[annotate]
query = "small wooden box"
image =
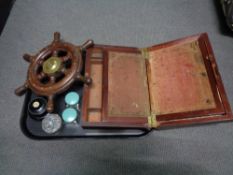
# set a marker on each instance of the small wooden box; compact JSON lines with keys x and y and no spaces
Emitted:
{"x":170,"y":84}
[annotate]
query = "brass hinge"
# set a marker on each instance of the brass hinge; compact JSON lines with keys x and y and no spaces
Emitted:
{"x":145,"y":53}
{"x":152,"y":122}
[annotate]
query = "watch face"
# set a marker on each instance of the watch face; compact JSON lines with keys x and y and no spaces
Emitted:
{"x":51,"y":123}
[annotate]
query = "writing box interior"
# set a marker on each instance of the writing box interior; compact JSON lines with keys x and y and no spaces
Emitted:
{"x":174,"y":83}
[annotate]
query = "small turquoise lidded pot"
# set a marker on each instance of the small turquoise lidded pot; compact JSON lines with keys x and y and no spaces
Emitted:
{"x":72,"y":98}
{"x":69,"y":115}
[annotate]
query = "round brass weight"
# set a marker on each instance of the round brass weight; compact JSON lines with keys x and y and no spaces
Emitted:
{"x":52,"y":65}
{"x":54,"y":69}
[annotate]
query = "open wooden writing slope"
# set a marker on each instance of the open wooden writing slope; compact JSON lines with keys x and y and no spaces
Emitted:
{"x":170,"y":84}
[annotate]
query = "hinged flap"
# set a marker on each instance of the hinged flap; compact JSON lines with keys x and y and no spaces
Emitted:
{"x":184,"y":83}
{"x":145,"y":53}
{"x":152,"y":122}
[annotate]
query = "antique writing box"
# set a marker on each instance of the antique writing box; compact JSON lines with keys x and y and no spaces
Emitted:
{"x":170,"y":84}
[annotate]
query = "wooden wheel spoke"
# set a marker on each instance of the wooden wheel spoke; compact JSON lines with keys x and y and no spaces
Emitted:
{"x":50,"y":104}
{"x":55,"y":53}
{"x":52,"y":79}
{"x":66,"y":58}
{"x":22,"y":89}
{"x":40,"y":62}
{"x":63,"y":70}
{"x":41,"y":75}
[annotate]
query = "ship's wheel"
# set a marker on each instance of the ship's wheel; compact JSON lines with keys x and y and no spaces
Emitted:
{"x":54,"y":69}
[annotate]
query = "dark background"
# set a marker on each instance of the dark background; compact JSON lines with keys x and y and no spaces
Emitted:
{"x":5,"y":7}
{"x":205,"y":149}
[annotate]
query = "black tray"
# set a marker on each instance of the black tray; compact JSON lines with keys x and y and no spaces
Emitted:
{"x":32,"y":128}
